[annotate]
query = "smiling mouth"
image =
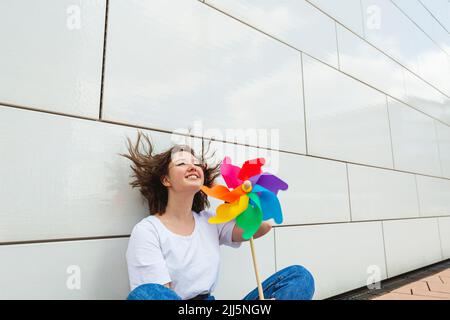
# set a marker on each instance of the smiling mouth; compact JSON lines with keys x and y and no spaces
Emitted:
{"x":192,"y":177}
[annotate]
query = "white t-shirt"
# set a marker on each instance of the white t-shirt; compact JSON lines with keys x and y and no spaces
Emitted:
{"x":191,"y":263}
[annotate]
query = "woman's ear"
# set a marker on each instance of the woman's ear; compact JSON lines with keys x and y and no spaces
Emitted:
{"x":165,"y":181}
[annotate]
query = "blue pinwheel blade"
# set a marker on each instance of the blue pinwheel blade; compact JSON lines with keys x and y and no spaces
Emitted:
{"x":270,"y":205}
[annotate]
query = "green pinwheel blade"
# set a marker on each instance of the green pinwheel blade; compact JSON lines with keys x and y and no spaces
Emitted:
{"x":254,"y":197}
{"x":249,"y":220}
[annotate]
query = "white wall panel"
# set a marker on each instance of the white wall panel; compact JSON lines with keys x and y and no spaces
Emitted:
{"x":443,"y":136}
{"x":444,"y":231}
{"x":391,"y":31}
{"x":434,"y":196}
{"x":422,"y":17}
{"x":317,"y":190}
{"x":411,"y":244}
{"x":51,"y":54}
{"x":414,"y":140}
{"x":347,"y":12}
{"x":425,"y":98}
{"x":94,"y":269}
{"x":63,"y":177}
{"x":290,"y":21}
{"x":341,"y":257}
{"x":440,"y":10}
{"x":364,"y":62}
{"x":377,"y":194}
{"x":361,"y":60}
{"x":202,"y":69}
{"x":345,"y":119}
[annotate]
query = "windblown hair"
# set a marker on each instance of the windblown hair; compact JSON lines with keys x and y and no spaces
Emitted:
{"x":150,"y":168}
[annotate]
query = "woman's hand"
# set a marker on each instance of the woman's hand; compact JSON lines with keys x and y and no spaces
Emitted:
{"x":263,"y":229}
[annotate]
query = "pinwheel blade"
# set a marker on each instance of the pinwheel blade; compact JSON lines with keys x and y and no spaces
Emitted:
{"x":228,"y":211}
{"x":230,"y":173}
{"x":222,"y":193}
{"x":249,"y":220}
{"x":217,"y":191}
{"x":270,"y":205}
{"x":270,"y":182}
{"x":254,"y":199}
{"x":235,"y":194}
{"x":251,"y":168}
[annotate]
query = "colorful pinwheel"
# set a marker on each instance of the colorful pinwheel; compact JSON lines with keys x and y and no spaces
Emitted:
{"x":253,"y":197}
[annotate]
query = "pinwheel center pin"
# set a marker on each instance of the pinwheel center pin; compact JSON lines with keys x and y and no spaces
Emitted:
{"x":247,"y":186}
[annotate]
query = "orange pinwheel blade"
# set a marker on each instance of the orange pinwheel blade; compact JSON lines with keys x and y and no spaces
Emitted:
{"x":223,"y":193}
{"x":228,"y":211}
{"x":217,"y":191}
{"x":220,"y":192}
{"x":236,"y":194}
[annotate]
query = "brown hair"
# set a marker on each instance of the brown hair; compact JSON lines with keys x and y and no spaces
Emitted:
{"x":149,"y":169}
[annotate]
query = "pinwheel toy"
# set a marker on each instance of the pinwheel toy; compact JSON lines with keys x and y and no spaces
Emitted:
{"x":250,"y":197}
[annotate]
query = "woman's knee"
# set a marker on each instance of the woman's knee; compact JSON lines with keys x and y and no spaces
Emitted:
{"x":303,"y":275}
{"x":153,"y":291}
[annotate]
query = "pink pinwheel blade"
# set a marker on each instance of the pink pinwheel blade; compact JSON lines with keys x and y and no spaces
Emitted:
{"x":270,"y":182}
{"x":230,"y":173}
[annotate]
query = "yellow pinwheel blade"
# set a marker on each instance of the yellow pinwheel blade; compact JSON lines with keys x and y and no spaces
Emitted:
{"x":228,"y":211}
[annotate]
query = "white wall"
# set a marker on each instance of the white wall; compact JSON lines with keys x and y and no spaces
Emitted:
{"x":359,"y":91}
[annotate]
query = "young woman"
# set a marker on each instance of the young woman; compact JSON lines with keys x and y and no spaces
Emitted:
{"x":174,"y":252}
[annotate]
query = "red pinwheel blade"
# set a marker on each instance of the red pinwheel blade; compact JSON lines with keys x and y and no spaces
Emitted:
{"x":251,"y":168}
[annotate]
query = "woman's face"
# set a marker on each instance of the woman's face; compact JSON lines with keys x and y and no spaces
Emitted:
{"x":185,"y":173}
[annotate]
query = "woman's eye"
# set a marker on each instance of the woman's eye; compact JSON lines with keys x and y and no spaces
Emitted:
{"x":183,"y":164}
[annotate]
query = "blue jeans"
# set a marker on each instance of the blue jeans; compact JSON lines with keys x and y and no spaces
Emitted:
{"x":291,"y":283}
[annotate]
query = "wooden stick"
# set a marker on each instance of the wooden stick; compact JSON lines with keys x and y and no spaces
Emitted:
{"x":255,"y":266}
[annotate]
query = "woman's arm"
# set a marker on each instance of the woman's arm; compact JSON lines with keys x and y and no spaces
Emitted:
{"x":263,"y":229}
{"x":168,"y":285}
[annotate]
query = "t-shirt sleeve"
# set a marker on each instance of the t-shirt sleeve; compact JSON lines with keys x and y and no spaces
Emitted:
{"x":225,"y":231}
{"x":145,"y":260}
